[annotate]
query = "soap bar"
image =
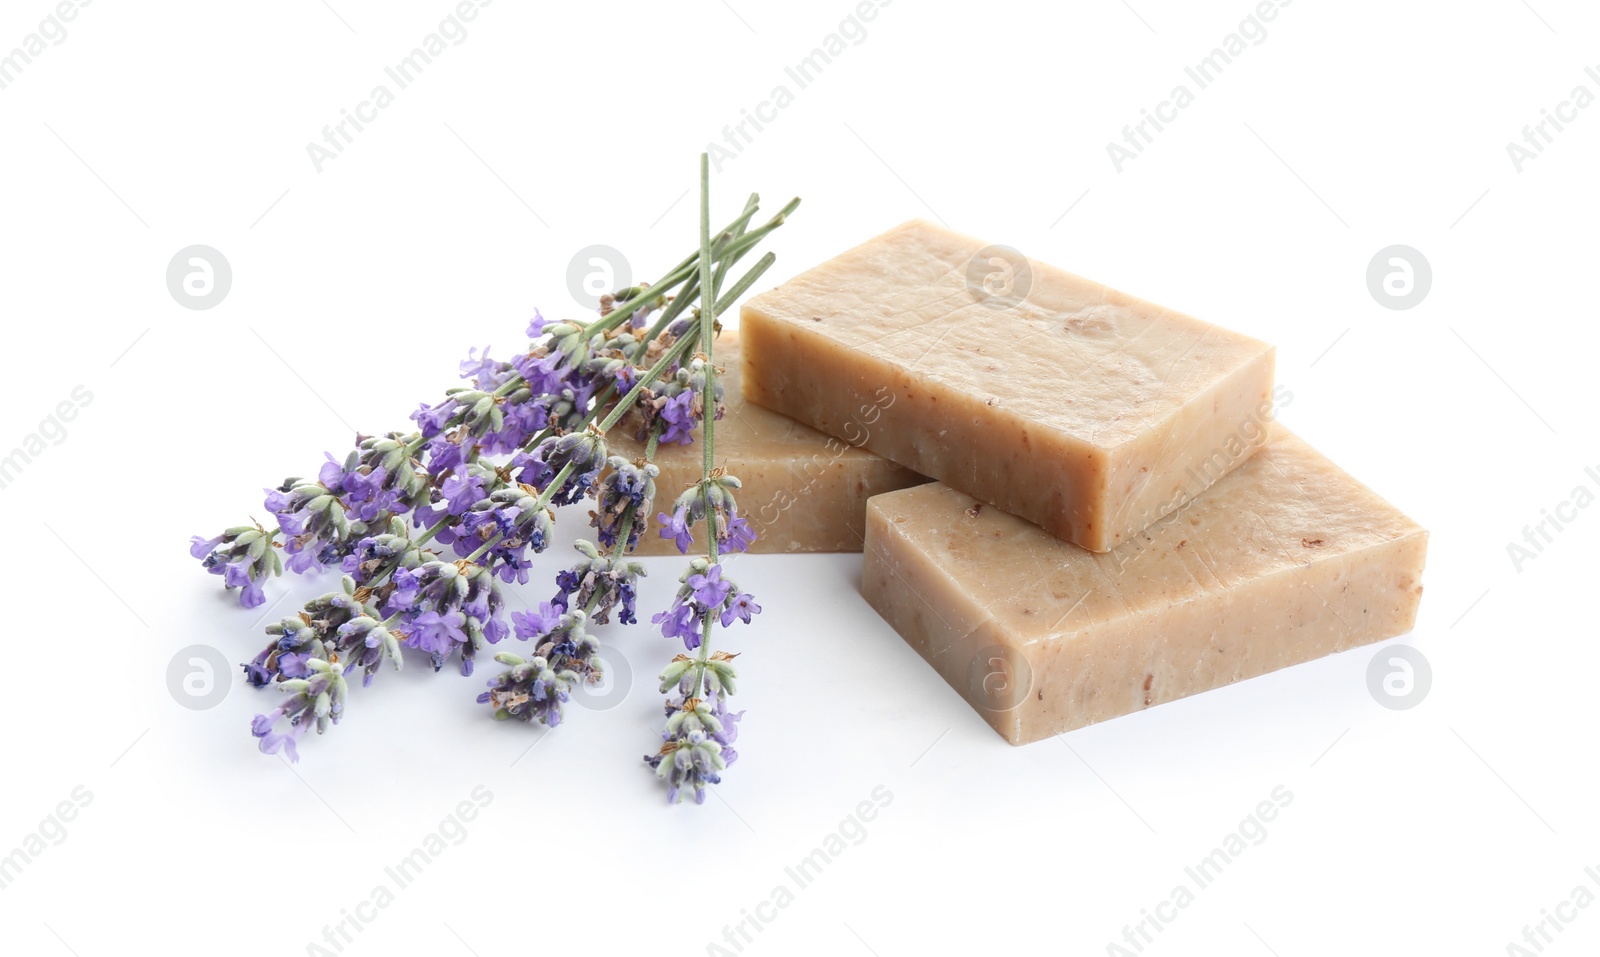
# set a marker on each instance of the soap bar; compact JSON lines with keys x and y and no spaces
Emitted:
{"x":1284,"y":560}
{"x":803,"y":491}
{"x":1084,"y":410}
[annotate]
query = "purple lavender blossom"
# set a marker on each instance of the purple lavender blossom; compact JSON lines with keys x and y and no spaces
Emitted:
{"x":737,"y":534}
{"x":545,"y":373}
{"x":709,"y":588}
{"x":680,"y":621}
{"x":446,"y":608}
{"x":678,"y":528}
{"x":703,"y":595}
{"x":538,"y":623}
{"x":678,"y":416}
{"x":742,"y":607}
{"x":486,"y":373}
{"x":461,"y":492}
{"x":434,"y":419}
{"x":245,"y":556}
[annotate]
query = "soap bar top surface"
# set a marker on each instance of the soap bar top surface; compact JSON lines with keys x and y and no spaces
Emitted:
{"x":1287,"y":508}
{"x":1084,"y":410}
{"x":1284,"y":560}
{"x":803,"y":491}
{"x":1071,"y":355}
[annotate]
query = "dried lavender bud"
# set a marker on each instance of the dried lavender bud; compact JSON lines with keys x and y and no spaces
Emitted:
{"x":712,"y":676}
{"x":584,"y":451}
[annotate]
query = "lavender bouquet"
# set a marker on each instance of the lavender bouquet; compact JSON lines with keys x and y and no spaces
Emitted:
{"x":425,"y":525}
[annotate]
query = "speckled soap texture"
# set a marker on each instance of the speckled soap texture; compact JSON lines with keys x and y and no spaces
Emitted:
{"x":1284,"y":560}
{"x":1082,"y":409}
{"x":803,"y":491}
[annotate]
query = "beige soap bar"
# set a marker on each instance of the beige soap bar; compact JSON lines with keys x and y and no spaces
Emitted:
{"x":1284,"y":560}
{"x":1077,"y":407}
{"x":803,"y":491}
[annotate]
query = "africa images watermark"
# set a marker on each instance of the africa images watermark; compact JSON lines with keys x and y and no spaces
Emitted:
{"x":1552,"y":522}
{"x":1554,"y":920}
{"x":852,"y":831}
{"x":52,"y":31}
{"x":852,"y":31}
{"x":1537,"y":136}
{"x":817,"y":466}
{"x":450,"y":832}
{"x":452,"y":31}
{"x":1251,"y":832}
{"x":1239,"y":445}
{"x":51,"y":832}
{"x":52,"y":430}
{"x":1252,"y":31}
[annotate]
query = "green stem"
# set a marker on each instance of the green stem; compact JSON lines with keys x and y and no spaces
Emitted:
{"x":682,"y":271}
{"x":708,"y":326}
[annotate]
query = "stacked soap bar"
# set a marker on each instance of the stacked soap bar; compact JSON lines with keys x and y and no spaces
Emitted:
{"x":803,"y":491}
{"x":1084,"y":410}
{"x":1285,"y":559}
{"x":1117,"y":523}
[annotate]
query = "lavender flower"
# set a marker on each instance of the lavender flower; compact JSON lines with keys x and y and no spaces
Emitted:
{"x":623,"y":498}
{"x":599,"y":583}
{"x":705,"y":594}
{"x":316,"y":525}
{"x":317,"y":700}
{"x":678,"y":405}
{"x":245,"y":558}
{"x":677,"y":527}
{"x":564,"y":642}
{"x":696,"y":746}
{"x":734,"y":534}
{"x":503,"y":527}
{"x":443,"y":608}
{"x":337,"y":626}
{"x":375,"y":558}
{"x":391,"y":477}
{"x":322,"y":519}
{"x":529,"y":690}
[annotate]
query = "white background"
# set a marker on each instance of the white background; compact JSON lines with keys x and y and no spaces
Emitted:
{"x":1353,"y":126}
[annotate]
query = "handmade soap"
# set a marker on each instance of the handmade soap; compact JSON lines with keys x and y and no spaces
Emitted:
{"x":1084,"y":410}
{"x":803,"y":491}
{"x":1284,"y":560}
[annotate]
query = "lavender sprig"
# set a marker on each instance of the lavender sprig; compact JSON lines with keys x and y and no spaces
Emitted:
{"x":697,"y":742}
{"x":547,"y":410}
